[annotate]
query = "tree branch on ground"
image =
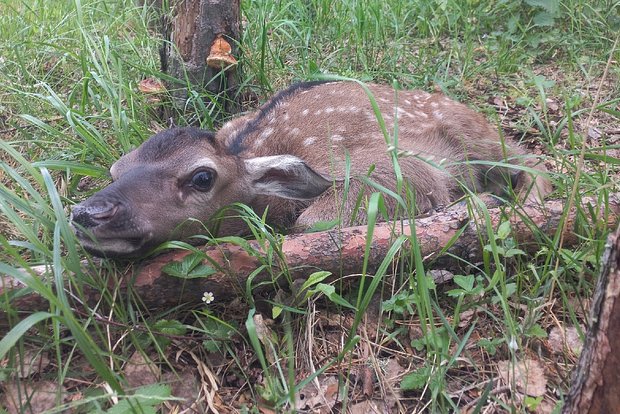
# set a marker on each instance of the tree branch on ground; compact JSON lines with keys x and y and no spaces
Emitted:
{"x":339,"y":251}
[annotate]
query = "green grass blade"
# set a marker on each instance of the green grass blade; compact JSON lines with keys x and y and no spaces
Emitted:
{"x":19,"y":330}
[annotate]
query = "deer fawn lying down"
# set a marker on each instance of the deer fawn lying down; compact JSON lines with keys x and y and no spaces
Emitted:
{"x":289,"y":158}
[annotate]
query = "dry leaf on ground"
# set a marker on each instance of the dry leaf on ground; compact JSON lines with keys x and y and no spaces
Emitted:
{"x":184,"y":384}
{"x":34,"y":397}
{"x":31,"y":362}
{"x":139,"y":372}
{"x":563,"y":338}
{"x":321,"y":400}
{"x":368,"y":407}
{"x":527,"y":375}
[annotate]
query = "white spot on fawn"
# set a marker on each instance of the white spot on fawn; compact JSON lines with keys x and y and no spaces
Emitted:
{"x":295,"y":131}
{"x":438,"y":114}
{"x":319,"y":112}
{"x":259,"y":142}
{"x":262,"y":137}
{"x":421,"y":114}
{"x":407,"y":101}
{"x":383,"y":100}
{"x":434,"y":104}
{"x":337,"y":137}
{"x":305,"y":112}
{"x":329,"y":110}
{"x":309,"y":141}
{"x":266,"y":133}
{"x":400,"y":111}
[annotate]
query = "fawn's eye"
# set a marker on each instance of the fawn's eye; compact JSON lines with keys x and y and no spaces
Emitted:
{"x":203,"y":180}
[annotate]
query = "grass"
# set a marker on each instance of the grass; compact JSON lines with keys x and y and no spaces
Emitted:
{"x":69,"y":107}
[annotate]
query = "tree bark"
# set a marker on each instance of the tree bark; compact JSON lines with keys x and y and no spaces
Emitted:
{"x":596,"y":383}
{"x":340,"y":252}
{"x":190,"y":29}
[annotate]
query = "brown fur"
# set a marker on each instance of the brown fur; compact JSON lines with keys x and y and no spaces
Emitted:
{"x":307,"y":132}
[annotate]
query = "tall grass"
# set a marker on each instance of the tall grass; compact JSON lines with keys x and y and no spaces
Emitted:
{"x":69,"y":107}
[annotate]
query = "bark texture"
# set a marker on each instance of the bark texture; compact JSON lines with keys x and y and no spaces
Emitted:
{"x":340,"y":252}
{"x":190,"y":28}
{"x":596,"y":383}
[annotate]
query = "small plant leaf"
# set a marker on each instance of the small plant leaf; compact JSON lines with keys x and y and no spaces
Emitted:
{"x":315,"y":278}
{"x":455,"y":293}
{"x":511,"y":288}
{"x":165,"y":328}
{"x":537,"y":331}
{"x":330,"y":292}
{"x":491,"y":249}
{"x":532,"y":403}
{"x":218,"y":333}
{"x":416,"y":380}
{"x":542,"y":83}
{"x":400,"y":303}
{"x":490,"y":345}
{"x":544,"y":19}
{"x":550,"y":6}
{"x":513,"y":252}
{"x":465,"y":282}
{"x":276,"y":311}
{"x":201,"y":270}
{"x":170,"y":327}
{"x":323,"y":226}
{"x":504,"y":230}
{"x":189,"y":268}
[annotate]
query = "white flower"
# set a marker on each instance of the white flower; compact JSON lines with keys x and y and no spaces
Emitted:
{"x":512,"y":344}
{"x":208,"y":297}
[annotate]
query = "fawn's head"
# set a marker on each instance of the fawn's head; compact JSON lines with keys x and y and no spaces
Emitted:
{"x":174,"y":184}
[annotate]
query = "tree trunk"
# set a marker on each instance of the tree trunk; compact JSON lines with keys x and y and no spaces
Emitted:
{"x":191,"y":28}
{"x":340,"y":252}
{"x":596,"y":385}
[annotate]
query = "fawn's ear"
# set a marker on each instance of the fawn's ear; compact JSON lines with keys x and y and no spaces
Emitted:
{"x":285,"y":176}
{"x":122,"y":163}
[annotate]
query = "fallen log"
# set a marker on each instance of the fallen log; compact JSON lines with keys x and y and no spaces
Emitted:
{"x":340,"y":252}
